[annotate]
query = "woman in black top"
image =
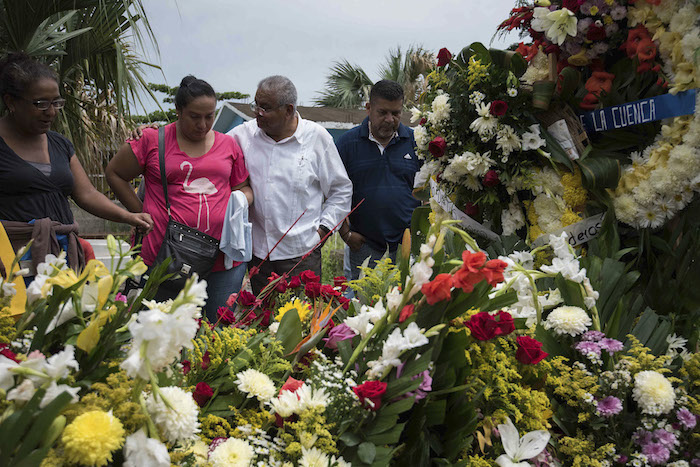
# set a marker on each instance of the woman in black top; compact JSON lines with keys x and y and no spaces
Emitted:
{"x":38,"y":167}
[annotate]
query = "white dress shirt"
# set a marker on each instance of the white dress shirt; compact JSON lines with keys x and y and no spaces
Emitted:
{"x":302,"y":172}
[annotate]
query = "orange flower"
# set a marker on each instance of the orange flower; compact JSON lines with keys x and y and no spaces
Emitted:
{"x":589,"y":102}
{"x":438,"y":289}
{"x":599,"y":81}
{"x":646,"y":50}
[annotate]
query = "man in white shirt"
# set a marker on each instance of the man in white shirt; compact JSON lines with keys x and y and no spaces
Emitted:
{"x":294,"y":168}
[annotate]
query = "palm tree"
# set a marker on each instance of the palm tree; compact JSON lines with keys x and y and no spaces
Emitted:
{"x":348,"y":85}
{"x":90,"y":44}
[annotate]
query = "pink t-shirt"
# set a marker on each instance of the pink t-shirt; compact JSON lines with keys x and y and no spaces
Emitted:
{"x":198,"y":187}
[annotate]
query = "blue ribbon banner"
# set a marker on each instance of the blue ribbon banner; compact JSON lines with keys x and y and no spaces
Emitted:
{"x":642,"y":111}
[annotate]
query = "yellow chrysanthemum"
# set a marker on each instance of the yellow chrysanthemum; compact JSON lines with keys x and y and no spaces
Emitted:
{"x":92,"y":437}
{"x":302,"y":309}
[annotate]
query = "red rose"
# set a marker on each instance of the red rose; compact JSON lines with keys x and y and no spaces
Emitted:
{"x":482,"y":326}
{"x":345,"y":302}
{"x":498,"y":108}
{"x":340,"y":281}
{"x":493,"y":271}
{"x":438,"y":289}
{"x":281,"y":285}
{"x":309,"y":276}
{"x":505,"y":324}
{"x":226,"y":316}
{"x":491,"y":178}
{"x":572,"y":5}
{"x":437,"y":146}
{"x":328,"y":291}
{"x":595,"y":33}
{"x":406,"y":312}
{"x":471,"y":209}
{"x":423,"y":121}
{"x":206,"y":361}
{"x":370,"y":391}
{"x":313,"y":290}
{"x":444,"y":56}
{"x":246,"y":298}
{"x":291,"y":385}
{"x":186,"y":367}
{"x":265,"y":321}
{"x":294,"y":282}
{"x":529,"y":350}
{"x":202,"y":393}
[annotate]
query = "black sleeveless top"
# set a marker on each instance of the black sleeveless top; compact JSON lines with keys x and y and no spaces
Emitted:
{"x":26,"y":193}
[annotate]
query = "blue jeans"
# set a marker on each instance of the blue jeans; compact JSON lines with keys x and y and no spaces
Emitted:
{"x":356,"y":258}
{"x":220,"y":285}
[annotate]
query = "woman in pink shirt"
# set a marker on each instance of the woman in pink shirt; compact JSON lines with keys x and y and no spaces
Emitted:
{"x":202,"y":168}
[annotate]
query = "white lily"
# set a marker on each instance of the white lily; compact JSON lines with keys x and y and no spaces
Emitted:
{"x":520,"y":449}
{"x":556,"y":25}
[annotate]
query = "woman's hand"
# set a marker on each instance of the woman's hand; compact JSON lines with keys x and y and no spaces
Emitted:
{"x":142,"y":221}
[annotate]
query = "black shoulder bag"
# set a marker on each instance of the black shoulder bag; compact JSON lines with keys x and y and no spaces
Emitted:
{"x":189,"y":250}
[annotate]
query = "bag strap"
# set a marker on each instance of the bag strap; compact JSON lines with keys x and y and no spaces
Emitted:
{"x":161,"y":161}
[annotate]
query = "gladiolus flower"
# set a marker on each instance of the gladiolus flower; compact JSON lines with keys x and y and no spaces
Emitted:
{"x":438,"y":289}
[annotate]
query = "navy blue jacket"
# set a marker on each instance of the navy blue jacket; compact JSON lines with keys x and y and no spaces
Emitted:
{"x":384,"y":181}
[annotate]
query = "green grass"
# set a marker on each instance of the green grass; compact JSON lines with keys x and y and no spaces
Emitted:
{"x":332,"y":259}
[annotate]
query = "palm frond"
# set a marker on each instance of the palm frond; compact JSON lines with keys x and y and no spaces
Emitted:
{"x":347,"y":86}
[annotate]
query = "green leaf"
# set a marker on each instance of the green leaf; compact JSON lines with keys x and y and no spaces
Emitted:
{"x":501,"y":301}
{"x":420,"y":223}
{"x":400,"y":387}
{"x":397,"y":407}
{"x":382,"y":423}
{"x":435,"y":412}
{"x":289,"y":331}
{"x":345,"y":350}
{"x":366,"y":452}
{"x":600,"y":172}
{"x":570,"y":291}
{"x":570,"y":79}
{"x":350,"y":439}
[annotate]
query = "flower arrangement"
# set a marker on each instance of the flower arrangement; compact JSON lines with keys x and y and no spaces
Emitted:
{"x":485,"y":148}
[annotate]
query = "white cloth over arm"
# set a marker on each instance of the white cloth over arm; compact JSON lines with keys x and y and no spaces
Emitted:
{"x":236,"y":241}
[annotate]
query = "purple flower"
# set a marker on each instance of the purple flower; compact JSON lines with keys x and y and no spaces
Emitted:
{"x":593,"y":335}
{"x":588,"y":347}
{"x":611,"y":345}
{"x":582,"y":27}
{"x":120,"y":297}
{"x":609,"y":406}
{"x":657,"y":453}
{"x":425,"y":386}
{"x":340,"y":332}
{"x":611,"y":29}
{"x":687,"y":418}
{"x":618,"y":13}
{"x":666,"y":438}
{"x":642,"y":437}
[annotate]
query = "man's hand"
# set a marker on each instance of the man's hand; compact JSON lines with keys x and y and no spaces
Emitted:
{"x":138,"y":131}
{"x":354,"y":240}
{"x":322,"y":232}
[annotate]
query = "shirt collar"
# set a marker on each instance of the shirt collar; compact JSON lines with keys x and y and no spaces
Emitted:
{"x":402,"y":132}
{"x":299,"y":134}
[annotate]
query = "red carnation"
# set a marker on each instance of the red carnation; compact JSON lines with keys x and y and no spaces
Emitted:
{"x":444,"y":56}
{"x":491,"y":178}
{"x":423,"y":121}
{"x":309,"y":276}
{"x":406,"y":312}
{"x":281,"y":285}
{"x":372,"y":391}
{"x":327,"y":291}
{"x":294,"y":282}
{"x":202,"y":393}
{"x":498,"y":108}
{"x":529,"y":350}
{"x":438,"y":289}
{"x":246,"y":298}
{"x":437,"y":146}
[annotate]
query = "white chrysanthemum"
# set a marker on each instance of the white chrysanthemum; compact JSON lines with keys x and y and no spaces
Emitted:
{"x":426,"y":171}
{"x":311,"y":398}
{"x":140,"y":450}
{"x":537,"y":70}
{"x":485,"y":125}
{"x":570,"y":320}
{"x":512,"y":92}
{"x":313,"y":458}
{"x":476,"y":97}
{"x":440,"y":109}
{"x":420,"y":134}
{"x":255,"y":384}
{"x":653,"y":392}
{"x":512,"y":219}
{"x":233,"y":452}
{"x":178,"y":423}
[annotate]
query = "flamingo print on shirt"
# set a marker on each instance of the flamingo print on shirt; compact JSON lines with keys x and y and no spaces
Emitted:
{"x":199,"y":186}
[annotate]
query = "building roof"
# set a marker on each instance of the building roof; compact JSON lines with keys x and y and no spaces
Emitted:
{"x":328,"y":117}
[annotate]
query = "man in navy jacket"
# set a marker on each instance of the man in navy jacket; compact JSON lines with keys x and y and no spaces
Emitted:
{"x":379,"y":156}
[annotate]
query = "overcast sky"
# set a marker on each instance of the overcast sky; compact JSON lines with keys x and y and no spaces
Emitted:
{"x":233,"y":44}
